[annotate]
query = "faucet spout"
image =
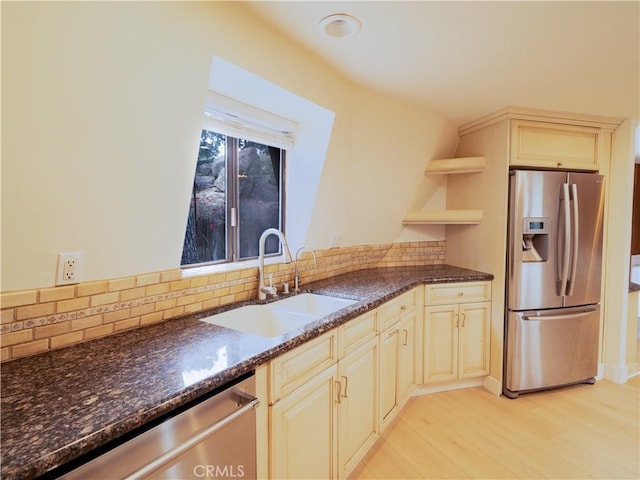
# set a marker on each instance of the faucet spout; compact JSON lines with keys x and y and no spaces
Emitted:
{"x":263,"y":290}
{"x":296,"y":277}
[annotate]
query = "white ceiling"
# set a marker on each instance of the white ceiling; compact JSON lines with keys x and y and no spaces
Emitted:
{"x":463,"y":60}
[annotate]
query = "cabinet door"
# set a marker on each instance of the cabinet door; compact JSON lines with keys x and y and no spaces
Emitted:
{"x":388,"y":371}
{"x":474,"y":339}
{"x":551,"y":145}
{"x":357,"y":410}
{"x":406,"y":371}
{"x":441,"y":343}
{"x":303,"y":430}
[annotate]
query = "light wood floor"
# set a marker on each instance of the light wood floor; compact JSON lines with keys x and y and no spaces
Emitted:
{"x":585,"y":431}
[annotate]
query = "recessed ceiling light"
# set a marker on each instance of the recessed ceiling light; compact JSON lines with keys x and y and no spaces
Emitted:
{"x":339,"y":25}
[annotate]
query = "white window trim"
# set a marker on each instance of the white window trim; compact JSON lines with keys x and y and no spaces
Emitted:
{"x":238,"y":119}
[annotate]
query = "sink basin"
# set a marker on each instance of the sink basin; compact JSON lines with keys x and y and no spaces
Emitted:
{"x":281,"y":317}
{"x":260,"y":320}
{"x":312,"y":304}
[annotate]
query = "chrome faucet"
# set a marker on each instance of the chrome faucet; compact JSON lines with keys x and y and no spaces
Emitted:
{"x":264,"y":290}
{"x":296,"y":279}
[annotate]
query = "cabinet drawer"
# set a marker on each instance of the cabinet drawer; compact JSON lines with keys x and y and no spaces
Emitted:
{"x":549,"y":145}
{"x":296,"y":367}
{"x":448,"y":293}
{"x":355,"y":332}
{"x":391,"y":311}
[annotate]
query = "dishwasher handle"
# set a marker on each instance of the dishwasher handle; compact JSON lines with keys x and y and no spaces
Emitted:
{"x":248,"y":402}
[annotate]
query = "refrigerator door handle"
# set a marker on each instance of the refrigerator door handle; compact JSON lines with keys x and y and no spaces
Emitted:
{"x":575,"y":238}
{"x":560,"y":317}
{"x":564,"y":276}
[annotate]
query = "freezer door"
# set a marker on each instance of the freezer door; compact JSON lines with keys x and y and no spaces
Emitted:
{"x":587,"y":207}
{"x":551,"y":348}
{"x":534,"y":284}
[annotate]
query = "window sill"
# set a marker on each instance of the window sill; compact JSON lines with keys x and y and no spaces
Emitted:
{"x":190,"y":272}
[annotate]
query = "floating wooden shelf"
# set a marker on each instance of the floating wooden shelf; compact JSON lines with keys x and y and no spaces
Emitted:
{"x":423,"y":217}
{"x":448,"y":166}
{"x":456,"y":165}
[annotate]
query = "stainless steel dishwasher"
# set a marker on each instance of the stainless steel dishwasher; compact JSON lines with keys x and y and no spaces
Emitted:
{"x":215,"y":438}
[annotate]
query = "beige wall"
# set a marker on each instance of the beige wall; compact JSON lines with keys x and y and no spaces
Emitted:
{"x":101,"y":116}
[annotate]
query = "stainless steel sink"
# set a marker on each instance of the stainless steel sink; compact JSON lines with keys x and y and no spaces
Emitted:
{"x":281,"y":317}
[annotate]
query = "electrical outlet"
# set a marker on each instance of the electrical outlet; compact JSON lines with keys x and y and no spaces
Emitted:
{"x":336,"y":239}
{"x":69,"y":268}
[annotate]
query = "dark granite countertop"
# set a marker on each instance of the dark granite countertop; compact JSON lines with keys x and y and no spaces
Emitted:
{"x":634,"y":287}
{"x":59,"y":405}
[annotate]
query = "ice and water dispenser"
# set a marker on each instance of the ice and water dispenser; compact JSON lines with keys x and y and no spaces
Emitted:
{"x":535,"y":239}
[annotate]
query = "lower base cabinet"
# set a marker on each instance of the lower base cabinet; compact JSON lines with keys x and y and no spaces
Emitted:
{"x":330,"y":398}
{"x":397,"y":366}
{"x":304,"y":430}
{"x":457,"y":324}
{"x":357,"y":405}
{"x":323,"y":428}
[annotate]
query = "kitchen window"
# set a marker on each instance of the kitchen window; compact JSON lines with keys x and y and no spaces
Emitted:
{"x":237,"y":194}
{"x":238,"y":187}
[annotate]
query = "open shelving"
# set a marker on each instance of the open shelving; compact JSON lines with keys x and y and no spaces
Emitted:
{"x":448,"y":166}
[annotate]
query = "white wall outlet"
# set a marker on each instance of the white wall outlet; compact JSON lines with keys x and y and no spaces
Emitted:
{"x":336,"y":239}
{"x":69,"y":268}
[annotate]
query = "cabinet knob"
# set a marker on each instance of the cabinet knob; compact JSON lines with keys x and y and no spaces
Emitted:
{"x":460,"y":294}
{"x":403,"y":307}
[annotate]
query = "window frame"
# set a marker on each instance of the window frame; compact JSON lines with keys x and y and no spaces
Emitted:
{"x":232,"y":200}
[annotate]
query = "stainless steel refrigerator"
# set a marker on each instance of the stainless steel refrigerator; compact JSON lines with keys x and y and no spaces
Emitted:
{"x":554,"y":267}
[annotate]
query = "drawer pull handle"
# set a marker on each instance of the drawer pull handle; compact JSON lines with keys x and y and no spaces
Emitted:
{"x":403,"y":307}
{"x":460,"y":294}
{"x":392,"y":332}
{"x":463,"y":319}
{"x":406,"y":337}
{"x":338,"y":390}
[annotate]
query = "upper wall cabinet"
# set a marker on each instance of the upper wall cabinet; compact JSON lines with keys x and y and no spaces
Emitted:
{"x":552,"y":145}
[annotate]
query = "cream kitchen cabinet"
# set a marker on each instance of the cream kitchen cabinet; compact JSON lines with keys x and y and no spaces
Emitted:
{"x":303,"y":400}
{"x":398,"y":352}
{"x":357,"y":405}
{"x":303,"y":430}
{"x":553,"y":145}
{"x":456,"y":331}
{"x":323,"y":419}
